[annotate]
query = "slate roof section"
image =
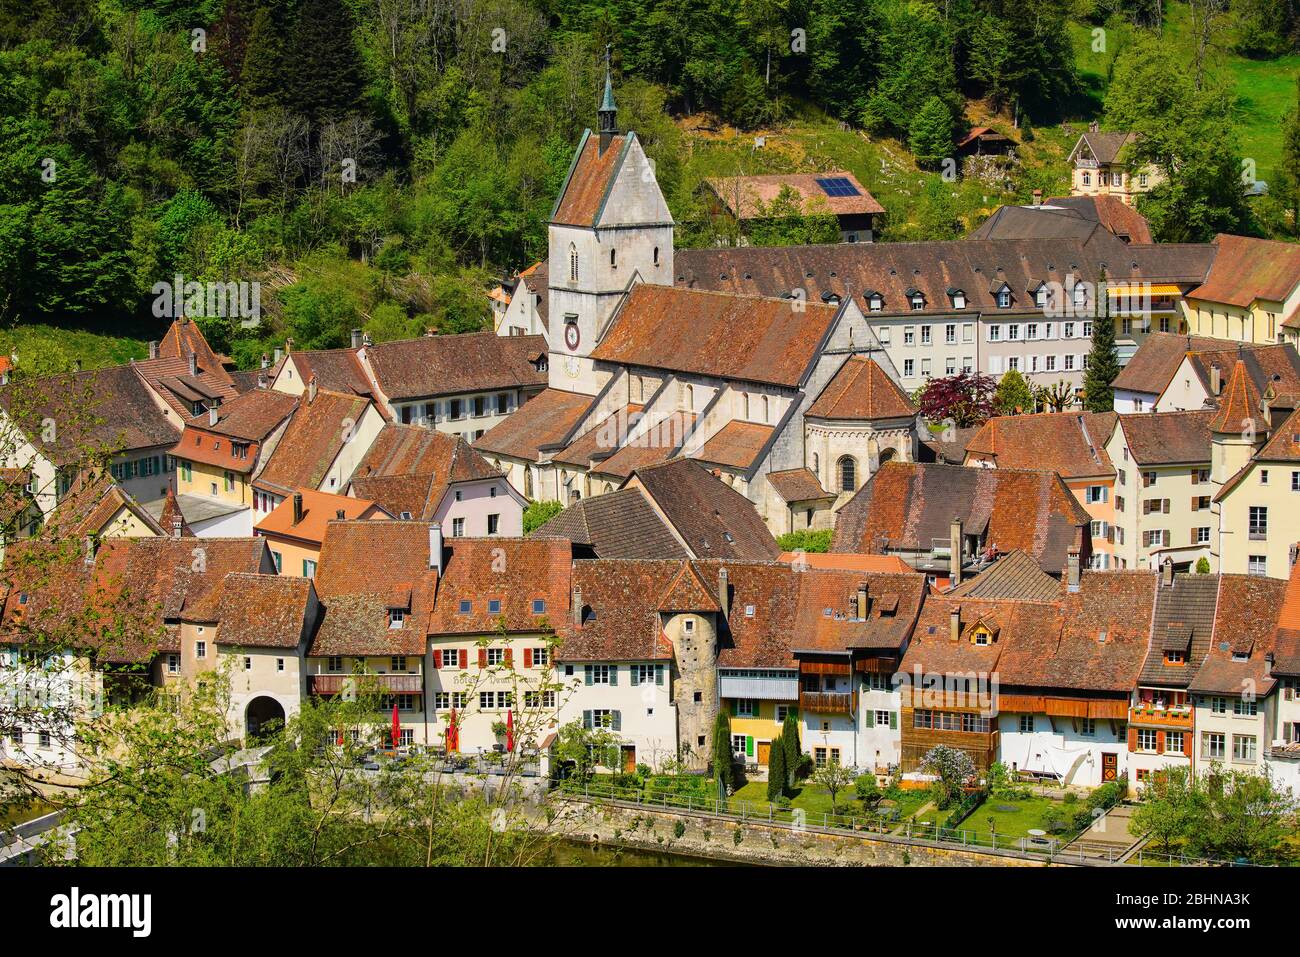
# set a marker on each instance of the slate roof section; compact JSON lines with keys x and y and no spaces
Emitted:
{"x":433,"y":366}
{"x":1015,"y":575}
{"x":728,"y":336}
{"x":311,"y":442}
{"x":713,"y":519}
{"x":266,"y":611}
{"x":621,"y":524}
{"x":1184,"y":609}
{"x":861,"y":390}
{"x":1246,"y":269}
{"x":908,"y":506}
{"x":1071,"y":444}
{"x":749,"y":197}
{"x":797,"y":485}
{"x":543,"y":422}
{"x":1105,"y":147}
{"x":1151,"y":368}
{"x":1168,"y":438}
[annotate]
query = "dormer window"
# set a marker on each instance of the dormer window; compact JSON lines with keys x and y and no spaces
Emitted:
{"x":1175,"y":658}
{"x":958,"y":298}
{"x":918,"y":301}
{"x":1040,"y":296}
{"x":875,"y":303}
{"x":1004,"y":298}
{"x":396,"y":617}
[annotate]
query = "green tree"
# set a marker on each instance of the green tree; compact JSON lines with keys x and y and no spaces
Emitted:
{"x":1013,"y":395}
{"x":806,"y":540}
{"x":1289,"y":168}
{"x":1102,"y":365}
{"x":538,"y":514}
{"x":1171,"y":807}
{"x":952,"y":769}
{"x":834,"y":778}
{"x":929,"y":135}
{"x":790,"y":745}
{"x":321,"y":45}
{"x":775,"y":772}
{"x":722,"y":761}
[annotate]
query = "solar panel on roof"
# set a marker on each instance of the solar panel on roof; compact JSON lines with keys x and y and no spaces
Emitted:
{"x":837,"y":186}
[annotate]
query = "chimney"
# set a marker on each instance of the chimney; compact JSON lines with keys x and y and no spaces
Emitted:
{"x":1216,"y":380}
{"x":176,"y":527}
{"x":340,"y":514}
{"x":90,"y":550}
{"x":577,"y":607}
{"x":1072,"y":566}
{"x":1167,"y":572}
{"x":1269,"y":660}
{"x":954,"y":547}
{"x":261,"y":380}
{"x":435,"y":547}
{"x":212,"y":414}
{"x":311,"y":391}
{"x":862,"y":600}
{"x":194,"y":363}
{"x":266,"y":362}
{"x":288,"y":347}
{"x":153,"y":349}
{"x":356,"y":338}
{"x":954,"y":623}
{"x":297,"y":507}
{"x":724,"y":592}
{"x":1038,"y":197}
{"x":279,"y":354}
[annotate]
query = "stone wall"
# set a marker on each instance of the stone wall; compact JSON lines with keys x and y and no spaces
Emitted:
{"x":762,"y":843}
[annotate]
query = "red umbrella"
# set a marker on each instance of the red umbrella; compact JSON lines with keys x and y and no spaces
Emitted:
{"x":510,"y":730}
{"x":397,"y":727}
{"x":453,"y":742}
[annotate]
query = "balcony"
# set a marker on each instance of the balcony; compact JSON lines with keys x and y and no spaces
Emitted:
{"x":391,"y":684}
{"x":764,"y":688}
{"x":827,"y":702}
{"x":1149,"y":716}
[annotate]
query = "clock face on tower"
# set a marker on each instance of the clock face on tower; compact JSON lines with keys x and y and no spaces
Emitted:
{"x":571,"y":335}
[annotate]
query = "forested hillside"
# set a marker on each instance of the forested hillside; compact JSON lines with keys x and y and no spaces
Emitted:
{"x":379,"y":163}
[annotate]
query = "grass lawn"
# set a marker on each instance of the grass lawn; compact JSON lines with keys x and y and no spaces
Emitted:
{"x":50,"y":348}
{"x":27,"y":812}
{"x":812,"y":798}
{"x":1012,"y":817}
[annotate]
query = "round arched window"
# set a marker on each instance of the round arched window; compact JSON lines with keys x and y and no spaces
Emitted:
{"x":848,"y":474}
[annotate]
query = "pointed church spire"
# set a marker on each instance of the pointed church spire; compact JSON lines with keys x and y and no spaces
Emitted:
{"x":607,"y":111}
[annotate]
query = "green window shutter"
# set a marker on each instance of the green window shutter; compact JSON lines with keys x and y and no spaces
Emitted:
{"x":586,"y":672}
{"x":659,"y":674}
{"x":893,"y":721}
{"x":304,"y":569}
{"x":871,"y":718}
{"x":749,"y":745}
{"x":735,"y":708}
{"x":613,"y":675}
{"x":633,"y":677}
{"x":586,"y":719}
{"x":616,"y":721}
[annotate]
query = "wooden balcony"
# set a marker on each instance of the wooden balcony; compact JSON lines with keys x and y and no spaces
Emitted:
{"x":328,"y":684}
{"x":1176,"y":719}
{"x":827,"y":702}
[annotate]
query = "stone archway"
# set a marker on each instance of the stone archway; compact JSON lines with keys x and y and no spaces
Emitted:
{"x":888,"y":453}
{"x":262,"y":716}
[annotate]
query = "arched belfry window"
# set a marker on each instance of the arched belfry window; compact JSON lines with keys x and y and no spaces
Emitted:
{"x":573,"y":263}
{"x":848,"y":474}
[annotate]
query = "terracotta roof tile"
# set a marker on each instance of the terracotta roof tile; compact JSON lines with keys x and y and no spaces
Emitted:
{"x":1071,"y":444}
{"x":1246,"y":269}
{"x":797,"y":485}
{"x":1015,"y":575}
{"x":862,"y":390}
{"x":1238,"y":405}
{"x":713,"y":519}
{"x":652,"y":446}
{"x":736,"y":445}
{"x":728,"y":336}
{"x":312,"y":441}
{"x":743,"y":195}
{"x":409,"y":469}
{"x":589,"y":182}
{"x":1168,"y":438}
{"x":512,"y":571}
{"x":319,"y":509}
{"x":1151,"y":368}
{"x":545,"y":420}
{"x":449,"y":365}
{"x":620,"y":524}
{"x":266,"y":611}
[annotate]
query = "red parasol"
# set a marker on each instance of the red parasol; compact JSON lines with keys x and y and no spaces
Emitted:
{"x":510,"y":730}
{"x":453,"y":736}
{"x":397,"y":727}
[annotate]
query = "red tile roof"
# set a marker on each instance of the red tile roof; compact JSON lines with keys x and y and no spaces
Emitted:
{"x":797,"y":485}
{"x":409,"y":469}
{"x":736,"y":445}
{"x":653,"y":446}
{"x":1238,"y":405}
{"x":317,"y":432}
{"x":1071,"y":444}
{"x":712,"y":518}
{"x":319,"y":509}
{"x":450,"y":365}
{"x":1168,"y":438}
{"x":1246,"y":269}
{"x":716,"y":334}
{"x":266,"y":611}
{"x":751,"y":196}
{"x":1153,"y":365}
{"x":862,"y":390}
{"x":547,"y":419}
{"x":513,"y":571}
{"x":590,"y":179}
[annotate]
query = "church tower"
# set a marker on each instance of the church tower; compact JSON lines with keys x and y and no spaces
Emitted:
{"x":609,"y":224}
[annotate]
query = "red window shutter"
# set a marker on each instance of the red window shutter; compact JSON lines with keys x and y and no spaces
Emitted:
{"x":1187,"y":743}
{"x":528,"y":657}
{"x":464,"y":658}
{"x":437,"y":659}
{"x":482,"y":657}
{"x":508,"y":656}
{"x":1132,"y":739}
{"x":1160,"y":742}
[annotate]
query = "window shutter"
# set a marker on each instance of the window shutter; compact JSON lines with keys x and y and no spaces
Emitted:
{"x":1164,"y":505}
{"x":749,"y":745}
{"x":659,"y":674}
{"x":616,"y":721}
{"x":613,"y":675}
{"x":1160,"y":742}
{"x":586,"y":670}
{"x":735,"y":708}
{"x":1196,"y":503}
{"x":509,"y":656}
{"x":437,"y":659}
{"x":1286,"y":732}
{"x":1164,"y":538}
{"x":633,"y":677}
{"x":464,"y":657}
{"x":528,"y":657}
{"x":586,"y":719}
{"x":1132,"y":739}
{"x":1187,"y":743}
{"x":482,"y":657}
{"x":871,"y":718}
{"x":893,"y":721}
